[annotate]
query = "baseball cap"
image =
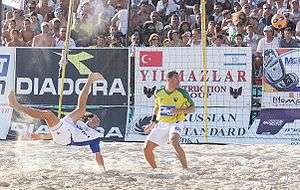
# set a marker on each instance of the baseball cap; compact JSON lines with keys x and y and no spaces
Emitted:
{"x":267,"y":28}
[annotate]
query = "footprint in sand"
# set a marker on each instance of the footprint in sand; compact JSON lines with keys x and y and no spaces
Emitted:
{"x":4,"y":184}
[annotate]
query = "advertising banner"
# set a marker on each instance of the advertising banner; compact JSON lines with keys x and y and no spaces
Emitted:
{"x":229,"y":88}
{"x":37,"y":83}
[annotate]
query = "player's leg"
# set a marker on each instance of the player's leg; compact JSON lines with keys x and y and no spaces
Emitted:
{"x":83,"y":96}
{"x":148,"y":152}
{"x":46,"y":115}
{"x":175,"y":141}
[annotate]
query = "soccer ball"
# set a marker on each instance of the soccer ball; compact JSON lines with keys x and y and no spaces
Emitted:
{"x":279,"y":21}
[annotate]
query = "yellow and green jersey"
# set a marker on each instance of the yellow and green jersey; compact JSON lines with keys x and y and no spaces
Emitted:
{"x":166,"y":101}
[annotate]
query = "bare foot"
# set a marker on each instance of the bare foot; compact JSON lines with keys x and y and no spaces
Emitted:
{"x":95,"y":76}
{"x":12,"y":99}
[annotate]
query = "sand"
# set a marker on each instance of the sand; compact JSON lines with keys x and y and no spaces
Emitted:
{"x":44,"y":165}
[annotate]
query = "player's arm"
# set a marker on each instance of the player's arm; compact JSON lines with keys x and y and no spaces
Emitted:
{"x":190,"y":105}
{"x":187,"y":110}
{"x":41,"y":136}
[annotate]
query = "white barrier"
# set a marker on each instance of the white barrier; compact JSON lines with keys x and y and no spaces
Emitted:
{"x":7,"y":69}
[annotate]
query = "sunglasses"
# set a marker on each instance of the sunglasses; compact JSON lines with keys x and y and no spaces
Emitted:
{"x":155,"y":39}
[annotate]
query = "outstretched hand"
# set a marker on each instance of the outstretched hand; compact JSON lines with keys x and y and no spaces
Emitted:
{"x":149,"y":128}
{"x":12,"y":99}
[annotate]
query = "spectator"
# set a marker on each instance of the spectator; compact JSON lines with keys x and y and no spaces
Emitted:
{"x":174,"y":24}
{"x":27,"y":33}
{"x":268,"y":42}
{"x":298,"y":30}
{"x":32,"y":9}
{"x":295,"y":11}
{"x":154,"y":17}
{"x":154,"y":40}
{"x":218,"y":41}
{"x":19,"y":18}
{"x":56,"y":28}
{"x":246,"y":8}
{"x":217,"y":16}
{"x":135,"y":40}
{"x":281,"y":6}
{"x":36,"y":26}
{"x":237,"y":7}
{"x":288,"y":41}
{"x":166,"y":43}
{"x":239,"y":41}
{"x":227,"y":18}
{"x":62,"y":37}
{"x":101,"y":41}
{"x":44,"y":39}
{"x":174,"y":38}
{"x":184,"y":27}
{"x":266,"y":17}
{"x":43,"y":8}
{"x":185,"y":38}
{"x":142,"y":13}
{"x":251,"y":39}
{"x":15,"y":41}
{"x":122,"y":18}
{"x":6,"y":36}
{"x":196,"y":38}
{"x":59,"y":13}
{"x":166,"y":7}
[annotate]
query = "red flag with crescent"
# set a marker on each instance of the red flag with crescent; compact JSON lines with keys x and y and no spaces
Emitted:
{"x":151,"y":58}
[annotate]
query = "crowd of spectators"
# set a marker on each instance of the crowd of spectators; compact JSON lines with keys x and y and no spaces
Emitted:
{"x":156,"y":23}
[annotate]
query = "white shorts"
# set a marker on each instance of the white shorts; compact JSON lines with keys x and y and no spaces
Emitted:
{"x":163,"y":131}
{"x":61,"y":132}
{"x":67,"y":132}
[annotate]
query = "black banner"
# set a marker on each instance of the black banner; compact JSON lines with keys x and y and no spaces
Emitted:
{"x":37,"y":72}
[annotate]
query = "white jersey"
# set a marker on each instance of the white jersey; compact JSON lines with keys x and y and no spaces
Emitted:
{"x":67,"y":132}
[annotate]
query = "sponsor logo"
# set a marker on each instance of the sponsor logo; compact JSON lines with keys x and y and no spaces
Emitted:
{"x":235,"y":93}
{"x":141,"y":124}
{"x":292,"y":60}
{"x":4,"y":63}
{"x":36,"y":86}
{"x":149,"y":92}
{"x":198,"y":91}
{"x":194,"y":76}
{"x":286,"y":101}
{"x":166,"y":110}
{"x":215,"y":117}
{"x":151,"y":58}
{"x":235,"y":59}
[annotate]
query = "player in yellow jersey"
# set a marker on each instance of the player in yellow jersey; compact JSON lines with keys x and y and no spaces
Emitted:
{"x":172,"y":104}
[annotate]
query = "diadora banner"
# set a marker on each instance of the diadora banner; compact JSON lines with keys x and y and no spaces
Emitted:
{"x":37,"y":83}
{"x":7,"y":58}
{"x":229,"y":89}
{"x":37,"y":76}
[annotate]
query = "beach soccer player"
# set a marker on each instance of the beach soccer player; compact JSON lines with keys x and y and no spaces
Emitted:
{"x":71,"y":130}
{"x":172,"y":104}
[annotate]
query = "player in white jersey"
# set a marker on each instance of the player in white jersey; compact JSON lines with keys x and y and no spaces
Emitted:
{"x":71,"y":130}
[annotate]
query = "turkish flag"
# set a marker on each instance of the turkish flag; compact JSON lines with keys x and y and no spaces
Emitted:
{"x":151,"y":58}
